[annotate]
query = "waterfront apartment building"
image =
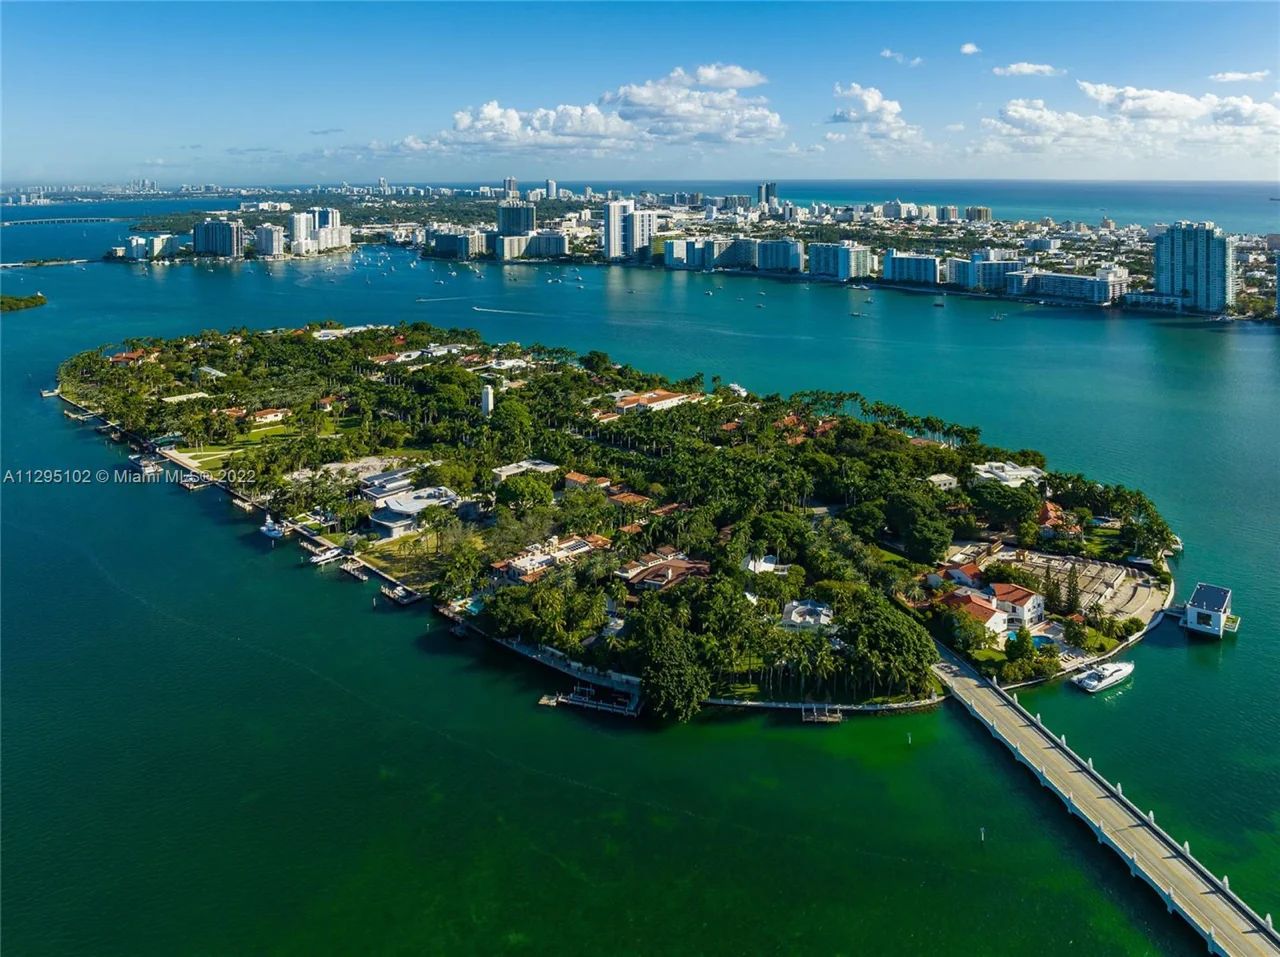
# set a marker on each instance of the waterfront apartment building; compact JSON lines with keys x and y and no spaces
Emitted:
{"x":218,"y":237}
{"x":1106,"y":285}
{"x":1196,"y":263}
{"x":300,"y":225}
{"x":767,"y":193}
{"x":911,"y":267}
{"x":461,"y":245}
{"x":948,"y":214}
{"x":553,"y":191}
{"x":780,"y":255}
{"x":841,"y":261}
{"x":613,"y":241}
{"x":547,"y":244}
{"x":984,"y":269}
{"x":324,"y":216}
{"x":516,"y":218}
{"x":978,"y":214}
{"x":268,"y":240}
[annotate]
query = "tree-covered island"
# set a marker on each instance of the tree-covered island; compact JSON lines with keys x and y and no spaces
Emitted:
{"x":714,"y":542}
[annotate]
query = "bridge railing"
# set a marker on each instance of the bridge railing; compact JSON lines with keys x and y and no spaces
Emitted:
{"x":1220,"y":885}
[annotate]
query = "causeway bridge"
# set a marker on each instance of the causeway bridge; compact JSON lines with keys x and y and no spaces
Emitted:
{"x":1228,"y":925}
{"x":62,"y":220}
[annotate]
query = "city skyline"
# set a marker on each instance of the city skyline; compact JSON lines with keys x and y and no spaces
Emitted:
{"x":1046,"y":91}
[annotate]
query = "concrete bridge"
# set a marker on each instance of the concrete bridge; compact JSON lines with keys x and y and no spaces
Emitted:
{"x":62,"y":220}
{"x":1228,"y":925}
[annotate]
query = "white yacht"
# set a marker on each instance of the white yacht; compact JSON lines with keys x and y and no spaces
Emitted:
{"x":1103,"y":676}
{"x":271,"y":529}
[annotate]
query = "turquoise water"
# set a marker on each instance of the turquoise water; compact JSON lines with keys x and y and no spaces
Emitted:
{"x":212,"y":748}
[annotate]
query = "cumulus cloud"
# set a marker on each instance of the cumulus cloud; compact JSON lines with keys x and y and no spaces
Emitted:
{"x":969,"y":49}
{"x":901,"y":57}
{"x":1027,"y":69}
{"x":1135,"y":123}
{"x":728,"y":75}
{"x":835,"y":137}
{"x":699,"y":108}
{"x":874,"y":116}
{"x":1232,"y":76}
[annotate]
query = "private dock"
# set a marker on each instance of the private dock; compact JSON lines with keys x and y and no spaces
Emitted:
{"x":355,"y":568}
{"x":312,"y":547}
{"x":820,"y":714}
{"x":401,"y":594}
{"x":584,"y":696}
{"x":1228,"y":925}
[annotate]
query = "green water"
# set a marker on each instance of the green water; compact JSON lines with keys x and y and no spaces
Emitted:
{"x":211,"y":749}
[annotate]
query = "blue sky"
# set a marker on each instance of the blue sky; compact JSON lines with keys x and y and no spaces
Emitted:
{"x":302,"y":92}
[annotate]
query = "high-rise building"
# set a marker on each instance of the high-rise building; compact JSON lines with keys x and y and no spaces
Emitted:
{"x":766,"y":193}
{"x":1196,"y":263}
{"x":510,"y":186}
{"x":218,"y":237}
{"x":911,"y":267}
{"x":322,"y":216}
{"x":300,"y":226}
{"x":978,"y":214}
{"x":268,"y":240}
{"x":781,"y":255}
{"x":486,"y":400}
{"x":639,"y":226}
{"x":553,"y":191}
{"x":515,"y":218}
{"x":613,"y":241}
{"x":948,"y":214}
{"x":841,"y":261}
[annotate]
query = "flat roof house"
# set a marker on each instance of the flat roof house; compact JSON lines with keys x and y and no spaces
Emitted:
{"x":1007,"y":473}
{"x":399,"y":513}
{"x":806,"y":615}
{"x":1208,"y":611}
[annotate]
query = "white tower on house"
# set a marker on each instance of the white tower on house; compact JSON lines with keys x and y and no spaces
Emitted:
{"x":486,"y":400}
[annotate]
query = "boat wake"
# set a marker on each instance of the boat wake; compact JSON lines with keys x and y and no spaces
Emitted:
{"x":507,"y":312}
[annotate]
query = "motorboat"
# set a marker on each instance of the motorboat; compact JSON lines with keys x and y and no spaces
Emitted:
{"x":1103,"y":676}
{"x":271,"y":528}
{"x":328,"y":555}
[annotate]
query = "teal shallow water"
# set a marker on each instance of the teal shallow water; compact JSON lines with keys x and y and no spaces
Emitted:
{"x":209,"y":748}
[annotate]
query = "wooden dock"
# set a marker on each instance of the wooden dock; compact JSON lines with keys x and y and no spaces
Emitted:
{"x":1206,"y":901}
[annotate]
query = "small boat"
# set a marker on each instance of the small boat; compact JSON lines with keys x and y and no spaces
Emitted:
{"x":1104,"y":676}
{"x":50,"y":393}
{"x":328,"y":555}
{"x":271,"y":528}
{"x":708,"y":293}
{"x":759,"y":305}
{"x":439,"y":282}
{"x":856,"y":315}
{"x":1177,"y":544}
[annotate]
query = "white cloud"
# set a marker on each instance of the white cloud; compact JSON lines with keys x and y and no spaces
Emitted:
{"x":794,"y":150}
{"x":701,"y":108}
{"x":728,"y":75}
{"x":873,"y":116}
{"x":835,"y":137}
{"x":901,"y":57}
{"x":1027,"y":69}
{"x":1232,"y":76}
{"x":955,"y":127}
{"x":969,"y":49}
{"x":1136,"y":123}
